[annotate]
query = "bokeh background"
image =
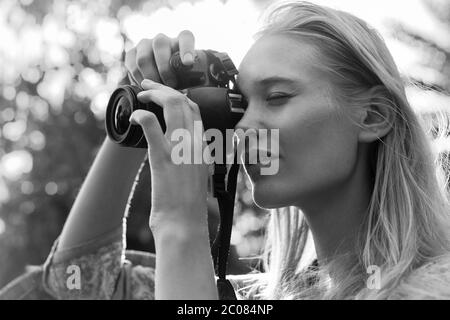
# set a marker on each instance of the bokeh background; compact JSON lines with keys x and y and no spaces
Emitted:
{"x":60,"y":60}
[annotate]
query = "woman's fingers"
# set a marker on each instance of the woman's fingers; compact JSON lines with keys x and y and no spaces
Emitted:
{"x":145,"y":60}
{"x":150,"y":59}
{"x":133,"y":72}
{"x":179,"y":111}
{"x":162,"y":51}
{"x":186,"y":43}
{"x":198,"y":131}
{"x":170,"y":100}
{"x":158,"y":146}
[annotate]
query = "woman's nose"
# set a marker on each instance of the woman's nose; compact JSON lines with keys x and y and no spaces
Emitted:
{"x":250,"y":120}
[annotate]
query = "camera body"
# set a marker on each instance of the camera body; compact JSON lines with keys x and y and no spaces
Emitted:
{"x":209,"y":82}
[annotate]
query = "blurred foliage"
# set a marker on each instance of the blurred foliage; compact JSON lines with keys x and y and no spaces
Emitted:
{"x":432,"y":74}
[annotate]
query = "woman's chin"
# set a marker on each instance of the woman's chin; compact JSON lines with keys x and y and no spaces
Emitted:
{"x":265,"y":197}
{"x":265,"y":188}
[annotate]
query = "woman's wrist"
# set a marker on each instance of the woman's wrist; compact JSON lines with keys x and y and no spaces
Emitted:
{"x":184,"y":266}
{"x":179,"y":232}
{"x":172,"y":232}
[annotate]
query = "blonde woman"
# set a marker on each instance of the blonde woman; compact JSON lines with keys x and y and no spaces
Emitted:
{"x":356,"y":171}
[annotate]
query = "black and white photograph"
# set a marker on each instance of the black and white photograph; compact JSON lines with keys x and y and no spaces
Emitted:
{"x":244,"y":151}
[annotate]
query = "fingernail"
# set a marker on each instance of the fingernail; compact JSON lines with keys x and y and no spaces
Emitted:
{"x":188,"y":58}
{"x":140,"y":95}
{"x":132,"y":120}
{"x":148,"y":81}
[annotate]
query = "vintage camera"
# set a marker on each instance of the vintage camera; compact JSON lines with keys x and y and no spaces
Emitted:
{"x":209,"y":82}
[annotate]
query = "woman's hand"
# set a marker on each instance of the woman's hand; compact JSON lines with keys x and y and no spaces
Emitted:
{"x":179,"y":191}
{"x":150,"y":58}
{"x":178,"y":218}
{"x":174,"y":187}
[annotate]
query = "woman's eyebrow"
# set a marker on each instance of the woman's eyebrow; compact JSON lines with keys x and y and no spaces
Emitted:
{"x":277,"y":79}
{"x":271,"y":80}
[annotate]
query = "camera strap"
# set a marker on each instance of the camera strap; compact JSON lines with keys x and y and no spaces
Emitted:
{"x":221,"y":246}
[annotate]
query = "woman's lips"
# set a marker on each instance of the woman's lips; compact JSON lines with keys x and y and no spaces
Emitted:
{"x":253,"y":157}
{"x":256,"y":167}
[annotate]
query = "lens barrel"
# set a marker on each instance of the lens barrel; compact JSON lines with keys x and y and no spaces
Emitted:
{"x":121,"y":105}
{"x":219,"y":109}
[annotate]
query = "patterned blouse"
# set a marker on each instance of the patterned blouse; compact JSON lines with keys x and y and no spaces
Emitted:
{"x":104,"y":273}
{"x":98,"y":269}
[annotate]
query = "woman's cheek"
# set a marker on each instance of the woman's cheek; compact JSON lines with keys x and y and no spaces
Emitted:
{"x":317,"y":155}
{"x":327,"y":162}
{"x":318,"y":152}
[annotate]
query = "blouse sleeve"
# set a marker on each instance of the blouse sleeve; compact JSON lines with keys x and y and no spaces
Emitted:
{"x":97,"y":270}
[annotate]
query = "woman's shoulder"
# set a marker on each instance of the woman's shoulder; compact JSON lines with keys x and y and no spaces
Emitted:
{"x":430,"y":281}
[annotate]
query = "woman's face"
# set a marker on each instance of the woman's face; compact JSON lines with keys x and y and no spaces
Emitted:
{"x":317,"y":144}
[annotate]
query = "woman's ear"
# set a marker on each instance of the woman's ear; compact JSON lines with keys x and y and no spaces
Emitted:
{"x":376,"y":119}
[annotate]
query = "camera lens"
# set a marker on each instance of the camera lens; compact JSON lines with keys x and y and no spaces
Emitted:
{"x":122,"y":114}
{"x":121,"y":105}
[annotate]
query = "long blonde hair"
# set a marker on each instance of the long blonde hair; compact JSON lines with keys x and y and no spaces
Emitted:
{"x":407,"y":221}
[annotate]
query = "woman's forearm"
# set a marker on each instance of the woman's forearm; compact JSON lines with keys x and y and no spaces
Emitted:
{"x":184,"y":267}
{"x":101,"y":202}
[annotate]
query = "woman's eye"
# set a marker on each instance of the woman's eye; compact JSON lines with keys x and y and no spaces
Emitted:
{"x":277,"y":98}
